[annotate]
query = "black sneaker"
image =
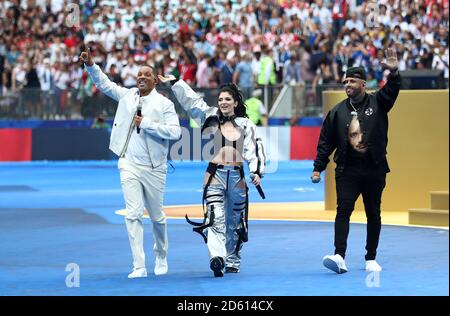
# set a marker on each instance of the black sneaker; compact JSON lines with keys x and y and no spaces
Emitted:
{"x":216,"y":264}
{"x":231,"y":270}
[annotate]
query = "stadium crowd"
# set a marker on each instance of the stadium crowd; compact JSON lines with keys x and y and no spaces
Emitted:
{"x":208,"y":43}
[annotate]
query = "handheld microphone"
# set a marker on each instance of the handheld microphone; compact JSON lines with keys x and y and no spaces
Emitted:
{"x":315,"y":179}
{"x":258,"y":187}
{"x":139,"y":113}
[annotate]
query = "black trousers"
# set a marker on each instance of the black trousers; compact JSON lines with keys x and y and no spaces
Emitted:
{"x":353,"y":181}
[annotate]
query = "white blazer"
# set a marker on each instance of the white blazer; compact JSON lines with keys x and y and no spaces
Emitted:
{"x":160,"y":121}
{"x":193,"y":103}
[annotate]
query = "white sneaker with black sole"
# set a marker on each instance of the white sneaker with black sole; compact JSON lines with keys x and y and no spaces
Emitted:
{"x":335,"y":263}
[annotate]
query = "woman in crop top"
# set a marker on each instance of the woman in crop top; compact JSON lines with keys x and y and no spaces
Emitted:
{"x":225,"y":194}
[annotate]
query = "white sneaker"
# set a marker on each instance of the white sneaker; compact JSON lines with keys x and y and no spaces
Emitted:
{"x":138,"y":273}
{"x":161,"y":266}
{"x":335,"y":263}
{"x":372,"y":266}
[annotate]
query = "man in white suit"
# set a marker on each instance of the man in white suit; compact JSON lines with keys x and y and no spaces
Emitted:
{"x":144,"y":123}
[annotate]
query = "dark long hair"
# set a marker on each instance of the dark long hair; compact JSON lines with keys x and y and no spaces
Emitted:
{"x":231,"y":88}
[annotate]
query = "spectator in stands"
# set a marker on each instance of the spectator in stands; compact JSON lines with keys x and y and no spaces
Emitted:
{"x":44,"y":72}
{"x":227,"y":70}
{"x":353,"y":23}
{"x":440,"y":61}
{"x":2,"y":70}
{"x":204,"y":72}
{"x":101,"y":123}
{"x":292,"y":76}
{"x":215,"y":31}
{"x":114,"y":76}
{"x":339,"y":14}
{"x":32,"y":89}
{"x":61,"y":79}
{"x":12,"y":55}
{"x":256,"y":62}
{"x":108,"y":38}
{"x":324,"y":75}
{"x":187,"y":66}
{"x":372,"y":83}
{"x":18,"y":74}
{"x":7,"y":77}
{"x":267,"y":77}
{"x":243,"y":75}
{"x":360,"y":157}
{"x":292,"y":69}
{"x":143,"y":156}
{"x":341,"y":61}
{"x":129,"y":73}
{"x":256,"y":110}
{"x":307,"y":70}
{"x":266,"y":73}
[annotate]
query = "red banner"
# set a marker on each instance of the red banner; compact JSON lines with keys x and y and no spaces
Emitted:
{"x":15,"y":144}
{"x":304,"y":142}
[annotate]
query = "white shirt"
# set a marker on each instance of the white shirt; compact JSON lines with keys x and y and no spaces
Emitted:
{"x":137,"y":150}
{"x":439,"y":62}
{"x":350,"y":24}
{"x":129,"y":75}
{"x":91,"y":37}
{"x":45,"y":77}
{"x":61,"y":79}
{"x":325,"y":18}
{"x":108,"y":39}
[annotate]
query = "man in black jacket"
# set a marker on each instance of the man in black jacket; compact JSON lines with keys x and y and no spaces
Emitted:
{"x":357,"y":128}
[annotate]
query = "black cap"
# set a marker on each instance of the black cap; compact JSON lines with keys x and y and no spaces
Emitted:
{"x":356,"y":72}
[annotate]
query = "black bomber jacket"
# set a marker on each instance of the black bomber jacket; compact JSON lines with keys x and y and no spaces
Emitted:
{"x":373,"y":118}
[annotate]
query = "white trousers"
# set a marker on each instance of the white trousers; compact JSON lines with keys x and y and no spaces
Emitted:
{"x":143,"y":186}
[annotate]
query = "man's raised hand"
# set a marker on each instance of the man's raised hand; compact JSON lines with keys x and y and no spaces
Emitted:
{"x":86,"y":57}
{"x":391,"y":61}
